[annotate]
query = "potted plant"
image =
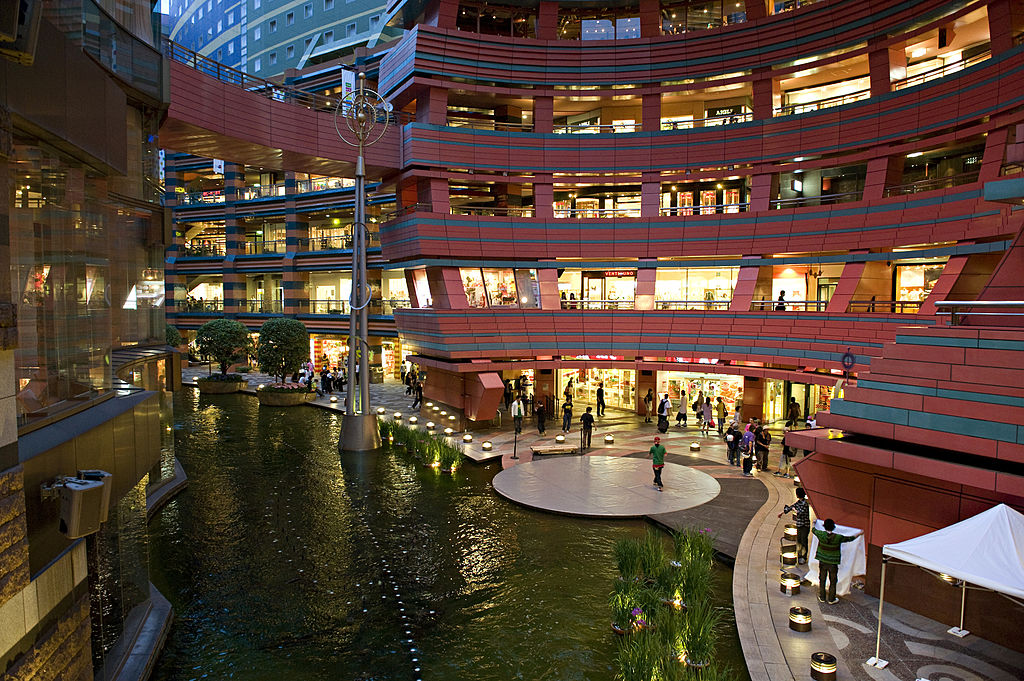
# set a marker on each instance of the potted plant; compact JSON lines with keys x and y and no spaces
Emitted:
{"x":699,"y":631}
{"x":652,"y":554}
{"x":283,"y":346}
{"x":625,"y":606}
{"x":224,"y":341}
{"x":641,"y":658}
{"x":449,"y":457}
{"x":627,"y":556}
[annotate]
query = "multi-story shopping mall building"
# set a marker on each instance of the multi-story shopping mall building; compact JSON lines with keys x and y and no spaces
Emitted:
{"x":764,"y":201}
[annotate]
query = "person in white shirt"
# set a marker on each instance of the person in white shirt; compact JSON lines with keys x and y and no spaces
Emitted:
{"x":518,"y":411}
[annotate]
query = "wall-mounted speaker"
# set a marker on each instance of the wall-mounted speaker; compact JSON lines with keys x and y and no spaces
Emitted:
{"x":81,"y":507}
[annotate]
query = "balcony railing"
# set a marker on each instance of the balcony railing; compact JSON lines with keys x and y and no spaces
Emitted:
{"x":584,"y":213}
{"x":197,"y":249}
{"x":959,"y":310}
{"x":805,"y":107}
{"x":940,"y":72}
{"x":250,"y":193}
{"x":885,"y":306}
{"x":487,"y":124}
{"x":328,"y":306}
{"x":592,"y":304}
{"x":823,"y":200}
{"x":707,"y":122}
{"x":334,"y":243}
{"x":199,"y":306}
{"x":387,"y":306}
{"x":931,"y":184}
{"x":692,"y":304}
{"x":303,"y":186}
{"x":265,"y":247}
{"x":705,"y":210}
{"x":257,"y":306}
{"x":515,"y":212}
{"x":789,"y":305}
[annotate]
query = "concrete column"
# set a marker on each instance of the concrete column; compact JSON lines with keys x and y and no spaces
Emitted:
{"x":995,"y":150}
{"x":756,"y":9}
{"x":547,"y":20}
{"x":1005,"y":20}
{"x":296,"y":230}
{"x":883,"y":172}
{"x":767,"y":94}
{"x":433,"y":192}
{"x":645,"y":285}
{"x":763,"y":188}
{"x":234,"y":230}
{"x":296,"y":287}
{"x":548,"y":280}
{"x":234,"y":292}
{"x":446,"y":288}
{"x":886,"y":64}
{"x":753,"y":282}
{"x":442,"y":14}
{"x":543,"y":114}
{"x":650,"y":18}
{"x":753,"y":398}
{"x":543,"y":196}
{"x":651,"y":104}
{"x":650,"y":195}
{"x":432,"y":106}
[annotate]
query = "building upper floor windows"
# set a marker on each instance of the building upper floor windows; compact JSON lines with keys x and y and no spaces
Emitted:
{"x":257,"y":64}
{"x":289,"y":51}
{"x":374,"y":20}
{"x":273,"y":26}
{"x":328,"y":36}
{"x":289,"y":19}
{"x":307,"y":10}
{"x":200,"y":13}
{"x":350,"y":29}
{"x":328,"y":4}
{"x":255,"y":4}
{"x":273,"y":58}
{"x":231,"y":48}
{"x":220,"y":25}
{"x":257,"y":33}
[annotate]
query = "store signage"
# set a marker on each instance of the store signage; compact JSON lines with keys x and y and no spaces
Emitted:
{"x":725,"y":111}
{"x":619,"y":273}
{"x":692,"y":360}
{"x":601,"y":357}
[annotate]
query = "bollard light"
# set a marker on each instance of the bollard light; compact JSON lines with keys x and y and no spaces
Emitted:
{"x":487,"y":446}
{"x":444,"y":413}
{"x":397,"y":415}
{"x":430,"y":404}
{"x":609,"y":439}
{"x":789,"y":531}
{"x":448,"y":431}
{"x":560,"y":439}
{"x":452,"y":417}
{"x":334,"y":398}
{"x":788,"y":557}
{"x":436,"y":408}
{"x":430,"y":425}
{"x":467,"y":438}
{"x":823,"y":666}
{"x":796,"y":481}
{"x":799,"y":619}
{"x":694,"y":446}
{"x":414,"y":419}
{"x":789,"y":583}
{"x":381,"y":411}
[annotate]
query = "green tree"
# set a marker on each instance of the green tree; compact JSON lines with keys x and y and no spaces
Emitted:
{"x":172,"y":336}
{"x":283,"y":346}
{"x":224,"y":341}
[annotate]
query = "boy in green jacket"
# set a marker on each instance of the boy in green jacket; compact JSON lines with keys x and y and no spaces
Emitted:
{"x":829,"y":554}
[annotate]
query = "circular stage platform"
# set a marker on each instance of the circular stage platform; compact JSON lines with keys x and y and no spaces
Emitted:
{"x":604,"y":486}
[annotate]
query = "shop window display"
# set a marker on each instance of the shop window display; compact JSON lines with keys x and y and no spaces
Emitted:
{"x":914,"y":282}
{"x":695,"y":288}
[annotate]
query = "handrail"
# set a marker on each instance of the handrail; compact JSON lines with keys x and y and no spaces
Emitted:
{"x":692,"y":304}
{"x":487,"y":124}
{"x":257,"y":306}
{"x":488,"y":211}
{"x":205,"y":248}
{"x":890,"y":306}
{"x":707,"y":121}
{"x":789,"y":305}
{"x":592,"y":304}
{"x":956,"y":317}
{"x":823,"y":200}
{"x":790,"y":109}
{"x":931,"y":184}
{"x":940,"y":72}
{"x":584,"y":213}
{"x":261,"y":86}
{"x":211,"y":196}
{"x":705,"y":210}
{"x":263,"y":247}
{"x":328,"y":306}
{"x":194,"y":306}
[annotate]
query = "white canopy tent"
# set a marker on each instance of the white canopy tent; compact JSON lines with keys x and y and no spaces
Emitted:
{"x":985,"y":551}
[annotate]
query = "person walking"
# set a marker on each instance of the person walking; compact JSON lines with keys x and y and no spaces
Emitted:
{"x":762,"y":442}
{"x":681,"y":413}
{"x":417,"y":394}
{"x":518,"y":410}
{"x":793,"y":412}
{"x":657,"y":453}
{"x":829,"y":555}
{"x":508,"y":395}
{"x":541,"y":415}
{"x":802,"y":517}
{"x":664,"y":409}
{"x":648,"y":405}
{"x":566,"y":414}
{"x":404,"y":370}
{"x":588,"y":427}
{"x":780,"y":305}
{"x":600,"y":399}
{"x":698,"y":407}
{"x":707,"y":418}
{"x":721,"y":411}
{"x":732,"y":443}
{"x":785,"y":468}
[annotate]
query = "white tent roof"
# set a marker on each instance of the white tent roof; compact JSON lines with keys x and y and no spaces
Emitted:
{"x":986,"y":550}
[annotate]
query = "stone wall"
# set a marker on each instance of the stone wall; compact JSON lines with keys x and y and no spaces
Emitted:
{"x":61,"y":652}
{"x":14,"y":572}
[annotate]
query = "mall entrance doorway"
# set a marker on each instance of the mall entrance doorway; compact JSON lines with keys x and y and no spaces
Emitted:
{"x":619,"y":386}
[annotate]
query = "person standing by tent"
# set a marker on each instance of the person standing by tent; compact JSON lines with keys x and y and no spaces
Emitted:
{"x":802,"y":517}
{"x":829,"y":554}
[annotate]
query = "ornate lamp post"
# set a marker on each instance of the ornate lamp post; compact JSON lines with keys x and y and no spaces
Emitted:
{"x":359,"y":123}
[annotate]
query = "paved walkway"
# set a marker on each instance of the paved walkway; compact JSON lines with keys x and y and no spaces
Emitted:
{"x":743,"y":516}
{"x":604,"y":486}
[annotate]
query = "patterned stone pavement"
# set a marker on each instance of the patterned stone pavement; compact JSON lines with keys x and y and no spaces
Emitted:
{"x":743,"y":515}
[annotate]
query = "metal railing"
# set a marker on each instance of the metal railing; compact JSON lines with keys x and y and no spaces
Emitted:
{"x":591,"y":304}
{"x":885,"y":306}
{"x":707,"y":122}
{"x":261,"y":86}
{"x":584,"y":213}
{"x":257,"y":306}
{"x":199,"y":249}
{"x":789,"y":305}
{"x":487,"y":124}
{"x":805,"y":107}
{"x":265,"y":247}
{"x":334,"y":243}
{"x":692,"y":304}
{"x":823,"y":200}
{"x":250,"y":193}
{"x":594,"y":128}
{"x":198,"y":306}
{"x":958,"y":310}
{"x":940,"y":72}
{"x":705,"y":210}
{"x":931,"y":184}
{"x":328,"y":306}
{"x":304,"y":186}
{"x":487,"y":211}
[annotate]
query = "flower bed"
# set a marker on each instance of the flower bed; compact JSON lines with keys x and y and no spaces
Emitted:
{"x":220,"y":384}
{"x":284,"y":394}
{"x":435,"y":451}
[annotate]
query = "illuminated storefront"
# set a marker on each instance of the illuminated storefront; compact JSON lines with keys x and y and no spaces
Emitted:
{"x":498,"y":287}
{"x":694,"y":288}
{"x":913,"y":281}
{"x":616,"y":287}
{"x":619,"y":385}
{"x":688,"y":385}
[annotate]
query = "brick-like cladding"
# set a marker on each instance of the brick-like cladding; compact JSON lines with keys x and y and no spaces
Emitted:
{"x":14,"y":572}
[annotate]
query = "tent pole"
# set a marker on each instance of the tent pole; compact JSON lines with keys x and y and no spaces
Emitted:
{"x":960,"y":632}
{"x":876,"y":661}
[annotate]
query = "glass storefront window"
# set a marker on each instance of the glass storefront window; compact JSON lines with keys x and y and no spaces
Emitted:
{"x":619,"y":386}
{"x":473,"y":284}
{"x":914,"y":282}
{"x":694,"y":288}
{"x":686,"y":386}
{"x":528,"y":287}
{"x":501,"y":288}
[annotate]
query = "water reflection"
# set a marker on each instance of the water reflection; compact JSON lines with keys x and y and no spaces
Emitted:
{"x":284,"y":562}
